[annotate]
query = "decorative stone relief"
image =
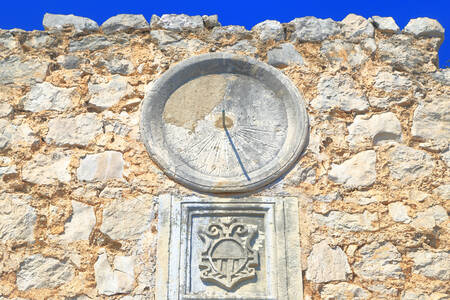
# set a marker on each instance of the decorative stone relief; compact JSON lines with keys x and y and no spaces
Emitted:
{"x":220,"y":248}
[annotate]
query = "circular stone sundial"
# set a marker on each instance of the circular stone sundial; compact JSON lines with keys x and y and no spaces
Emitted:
{"x":223,"y":123}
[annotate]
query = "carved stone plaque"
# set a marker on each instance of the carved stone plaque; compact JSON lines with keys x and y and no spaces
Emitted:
{"x":224,"y":123}
{"x":217,"y":248}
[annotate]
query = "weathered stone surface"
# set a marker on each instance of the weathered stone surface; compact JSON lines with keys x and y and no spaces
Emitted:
{"x":388,"y":81}
{"x":45,"y":96}
{"x":429,"y":218}
{"x":12,"y":136}
{"x":17,"y":218}
{"x":125,"y":22}
{"x":79,"y":226}
{"x":137,"y":212}
{"x":312,"y":29}
{"x":178,"y":23}
{"x":421,"y":295}
{"x":229,"y":31}
{"x":407,"y":164}
{"x":431,"y":119}
{"x":47,"y":169}
{"x":377,"y":129}
{"x":385,"y":24}
{"x":269,"y":30}
{"x":242,"y":46}
{"x":327,"y":264}
{"x":118,"y":279}
{"x":399,"y":212}
{"x":442,"y":75}
{"x":358,"y":171}
{"x":386,"y":102}
{"x":355,"y":28}
{"x":15,"y":71}
{"x":37,"y":272}
{"x":69,"y":61}
{"x":101,"y":166}
{"x":399,"y":51}
{"x":443,"y":191}
{"x":424,"y":27}
{"x":211,"y":21}
{"x":40,"y":39}
{"x":328,"y":197}
{"x":119,"y":66}
{"x":58,"y":22}
{"x":338,"y":220}
{"x":7,"y":40}
{"x":5,"y":109}
{"x":164,"y":37}
{"x":195,"y":45}
{"x":339,"y":51}
{"x":79,"y":130}
{"x":431,"y":264}
{"x":105,"y":95}
{"x":339,"y":92}
{"x":379,"y":261}
{"x":284,"y":55}
{"x":91,"y":42}
{"x":343,"y":291}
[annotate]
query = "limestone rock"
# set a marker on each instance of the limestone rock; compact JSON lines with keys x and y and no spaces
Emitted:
{"x":431,"y":264}
{"x":7,"y":40}
{"x":164,"y":37}
{"x":101,"y":167}
{"x":420,"y":295}
{"x":424,"y":27}
{"x":385,"y":24}
{"x":358,"y":171}
{"x":242,"y":46}
{"x":229,"y":31}
{"x":80,"y":24}
{"x":379,"y":261}
{"x":284,"y":55}
{"x":211,"y":21}
{"x":91,"y":42}
{"x":269,"y":30}
{"x":328,"y":198}
{"x":79,"y":130}
{"x":69,"y":61}
{"x":382,"y":289}
{"x":339,"y":51}
{"x":120,"y":66}
{"x":407,"y":164}
{"x":12,"y":136}
{"x":399,"y":51}
{"x":41,"y":40}
{"x":431,"y":120}
{"x":118,"y":279}
{"x":15,"y":71}
{"x":45,"y":96}
{"x":125,"y":22}
{"x":375,"y":130}
{"x":17,"y":218}
{"x":338,"y":92}
{"x":399,"y":212}
{"x":355,"y":28}
{"x":327,"y":264}
{"x":127,"y":219}
{"x":389,"y":82}
{"x":179,"y":23}
{"x":47,"y":169}
{"x":443,"y":191}
{"x":343,"y":291}
{"x":312,"y":29}
{"x":80,"y":224}
{"x":105,"y":95}
{"x":5,"y":109}
{"x":193,"y":45}
{"x":37,"y":272}
{"x":429,"y":218}
{"x":442,"y":75}
{"x":338,"y":220}
{"x":385,"y":102}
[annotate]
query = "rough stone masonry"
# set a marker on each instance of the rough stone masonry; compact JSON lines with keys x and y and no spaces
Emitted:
{"x":373,"y":185}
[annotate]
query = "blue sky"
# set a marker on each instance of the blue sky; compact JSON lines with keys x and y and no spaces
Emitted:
{"x":28,"y":14}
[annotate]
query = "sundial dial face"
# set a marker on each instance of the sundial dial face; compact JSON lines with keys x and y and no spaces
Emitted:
{"x":224,"y":123}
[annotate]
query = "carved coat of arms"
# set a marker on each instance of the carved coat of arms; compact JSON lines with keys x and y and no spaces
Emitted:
{"x":230,"y":254}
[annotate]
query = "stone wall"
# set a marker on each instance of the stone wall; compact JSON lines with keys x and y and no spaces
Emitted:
{"x":79,"y":192}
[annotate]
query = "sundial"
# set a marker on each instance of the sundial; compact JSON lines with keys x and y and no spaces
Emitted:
{"x":222,"y":123}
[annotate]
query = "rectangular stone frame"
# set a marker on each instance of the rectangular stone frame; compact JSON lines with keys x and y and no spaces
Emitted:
{"x":281,"y":215}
